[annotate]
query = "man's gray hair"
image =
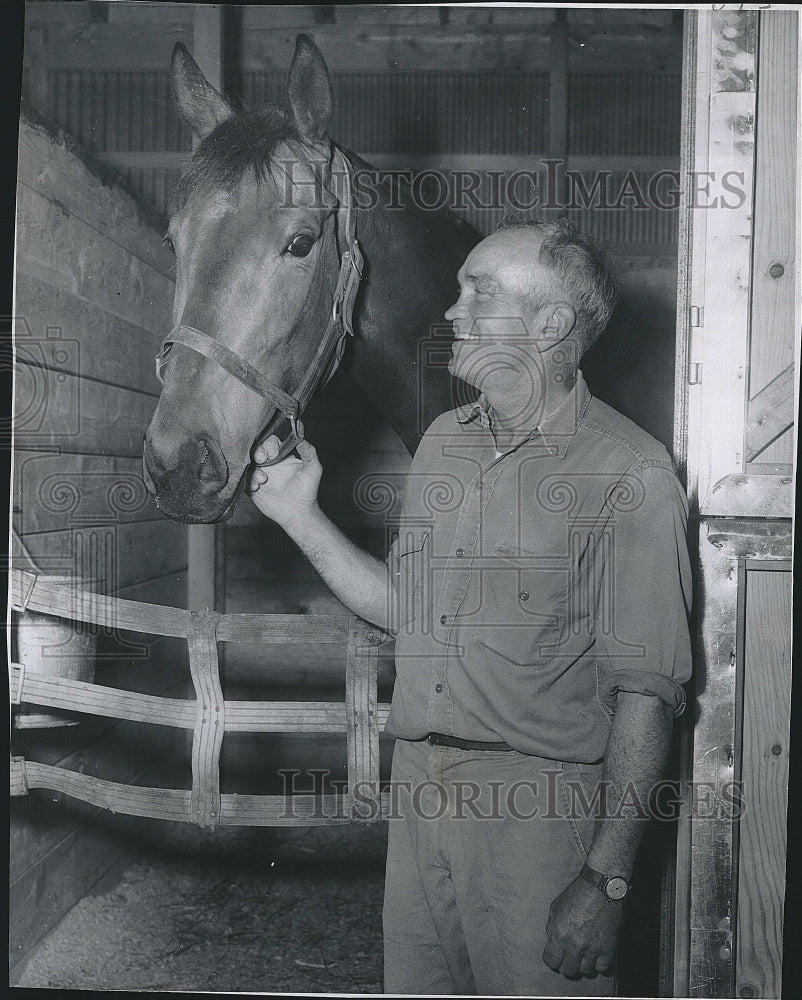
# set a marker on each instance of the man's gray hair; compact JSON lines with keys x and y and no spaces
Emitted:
{"x":581,"y":267}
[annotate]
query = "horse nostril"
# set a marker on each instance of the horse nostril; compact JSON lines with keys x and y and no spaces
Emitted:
{"x":151,"y":467}
{"x":212,"y":466}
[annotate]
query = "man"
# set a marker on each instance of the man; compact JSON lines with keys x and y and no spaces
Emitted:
{"x":539,"y":590}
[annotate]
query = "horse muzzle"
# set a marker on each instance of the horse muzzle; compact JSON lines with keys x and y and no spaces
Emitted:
{"x":193,"y":483}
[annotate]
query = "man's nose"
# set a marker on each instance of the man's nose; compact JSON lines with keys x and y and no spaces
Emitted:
{"x":451,"y":312}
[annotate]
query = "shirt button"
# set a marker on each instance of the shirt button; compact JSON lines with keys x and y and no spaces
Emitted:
{"x":438,"y":688}
{"x":443,"y":619}
{"x":524,"y":595}
{"x":460,"y":553}
{"x":478,"y":484}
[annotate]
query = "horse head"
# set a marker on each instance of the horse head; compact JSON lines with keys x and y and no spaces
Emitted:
{"x":264,"y":246}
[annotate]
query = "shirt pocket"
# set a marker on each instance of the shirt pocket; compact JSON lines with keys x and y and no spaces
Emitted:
{"x":524,"y":609}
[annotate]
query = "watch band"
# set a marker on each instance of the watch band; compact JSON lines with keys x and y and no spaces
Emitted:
{"x":614,"y":887}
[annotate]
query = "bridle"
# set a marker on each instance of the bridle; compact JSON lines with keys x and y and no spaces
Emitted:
{"x":332,"y":344}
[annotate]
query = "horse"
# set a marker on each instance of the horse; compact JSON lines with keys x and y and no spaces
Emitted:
{"x":278,"y":261}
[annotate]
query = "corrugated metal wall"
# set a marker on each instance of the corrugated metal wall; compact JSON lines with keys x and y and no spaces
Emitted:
{"x":451,"y":113}
{"x":399,"y":117}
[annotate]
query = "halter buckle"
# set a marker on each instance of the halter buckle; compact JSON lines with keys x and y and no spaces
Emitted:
{"x":161,"y":360}
{"x":296,"y":426}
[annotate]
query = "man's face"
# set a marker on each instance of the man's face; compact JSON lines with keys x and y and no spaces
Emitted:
{"x":494,"y":323}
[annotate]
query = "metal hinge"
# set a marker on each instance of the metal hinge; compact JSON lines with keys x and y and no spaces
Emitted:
{"x":696,"y":320}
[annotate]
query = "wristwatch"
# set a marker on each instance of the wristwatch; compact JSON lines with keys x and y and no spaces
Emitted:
{"x":613,"y":886}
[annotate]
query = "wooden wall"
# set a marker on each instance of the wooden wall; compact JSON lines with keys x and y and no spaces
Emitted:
{"x":93,"y":298}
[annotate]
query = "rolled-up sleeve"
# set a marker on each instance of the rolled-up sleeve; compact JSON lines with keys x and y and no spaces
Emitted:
{"x":642,"y":637}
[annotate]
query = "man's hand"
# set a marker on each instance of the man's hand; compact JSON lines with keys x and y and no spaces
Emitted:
{"x":583,"y":928}
{"x":289,"y":488}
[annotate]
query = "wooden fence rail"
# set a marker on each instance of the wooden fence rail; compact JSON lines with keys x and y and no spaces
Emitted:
{"x":209,"y":716}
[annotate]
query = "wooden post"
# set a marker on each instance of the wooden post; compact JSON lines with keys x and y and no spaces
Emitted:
{"x":208,"y":42}
{"x":206,"y":547}
{"x":558,"y":87}
{"x":558,"y":100}
{"x":729,"y":892}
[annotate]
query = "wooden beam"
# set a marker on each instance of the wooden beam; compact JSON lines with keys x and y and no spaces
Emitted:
{"x":765,"y":672}
{"x":770,"y":413}
{"x":208,"y":42}
{"x":558,"y":87}
{"x":751,"y":495}
{"x":775,"y":267}
{"x":207,"y":540}
{"x":717,"y":329}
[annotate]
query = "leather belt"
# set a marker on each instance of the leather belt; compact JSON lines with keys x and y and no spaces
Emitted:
{"x":441,"y":740}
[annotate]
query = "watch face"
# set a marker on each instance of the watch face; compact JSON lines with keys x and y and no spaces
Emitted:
{"x":616,"y":887}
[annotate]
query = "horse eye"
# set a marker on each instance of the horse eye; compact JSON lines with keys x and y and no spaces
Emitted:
{"x":301,"y":245}
{"x":169,"y":244}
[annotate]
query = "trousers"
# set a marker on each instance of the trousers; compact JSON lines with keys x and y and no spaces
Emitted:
{"x":479,"y":845}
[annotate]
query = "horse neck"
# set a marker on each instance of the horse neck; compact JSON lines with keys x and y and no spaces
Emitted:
{"x":411,"y":260}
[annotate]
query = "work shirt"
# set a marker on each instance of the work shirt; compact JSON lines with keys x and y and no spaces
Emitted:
{"x":531,"y":586}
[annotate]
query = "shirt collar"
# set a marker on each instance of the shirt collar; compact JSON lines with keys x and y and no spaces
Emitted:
{"x":554,"y":433}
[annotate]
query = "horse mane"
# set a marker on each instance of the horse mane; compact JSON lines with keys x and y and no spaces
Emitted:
{"x":244,"y":142}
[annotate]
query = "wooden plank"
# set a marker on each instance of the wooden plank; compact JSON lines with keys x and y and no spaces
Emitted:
{"x":209,"y":728}
{"x":777,"y":457}
{"x":751,"y":496}
{"x":207,"y":42}
{"x":86,"y":489}
{"x":362,"y":719}
{"x":206,"y":542}
{"x":725,"y":114}
{"x":558,"y":87}
{"x":776,"y":236}
{"x":723,"y":545}
{"x":50,"y":164}
{"x":54,"y":411}
{"x":202,"y":560}
{"x":61,"y":249}
{"x":109,"y":349}
{"x":116,"y":556}
{"x":162,"y":671}
{"x":119,"y":46}
{"x":422,"y":48}
{"x":764,"y":772}
{"x":41,"y":593}
{"x":770,"y":413}
{"x":709,"y":917}
{"x":240,"y":716}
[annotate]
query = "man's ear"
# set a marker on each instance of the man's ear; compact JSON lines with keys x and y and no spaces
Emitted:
{"x":559,"y":321}
{"x":199,"y":103}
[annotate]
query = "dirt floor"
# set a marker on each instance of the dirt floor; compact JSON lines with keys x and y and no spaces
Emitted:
{"x":278,"y":910}
{"x":294,"y":910}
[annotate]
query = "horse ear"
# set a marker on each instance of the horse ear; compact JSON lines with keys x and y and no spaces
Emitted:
{"x":200,"y":104}
{"x":309,"y":88}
